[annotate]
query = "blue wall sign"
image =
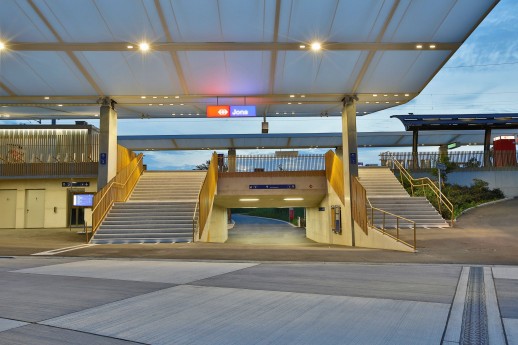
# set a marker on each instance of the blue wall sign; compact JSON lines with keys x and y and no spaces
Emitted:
{"x":102,"y":159}
{"x":271,"y":186}
{"x":353,"y":158}
{"x":75,"y":184}
{"x":242,"y":110}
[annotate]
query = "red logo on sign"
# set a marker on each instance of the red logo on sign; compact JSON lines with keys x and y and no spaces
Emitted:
{"x":218,"y":111}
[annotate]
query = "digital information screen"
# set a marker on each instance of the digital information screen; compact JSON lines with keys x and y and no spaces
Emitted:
{"x":83,"y":200}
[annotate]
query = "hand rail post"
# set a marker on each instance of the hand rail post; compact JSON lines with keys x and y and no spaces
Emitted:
{"x":397,"y":228}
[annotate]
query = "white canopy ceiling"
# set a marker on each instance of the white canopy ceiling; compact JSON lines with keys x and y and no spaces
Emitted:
{"x":61,"y":56}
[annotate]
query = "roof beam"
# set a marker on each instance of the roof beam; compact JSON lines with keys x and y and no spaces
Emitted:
{"x":174,"y":55}
{"x":227,"y":46}
{"x":69,"y":53}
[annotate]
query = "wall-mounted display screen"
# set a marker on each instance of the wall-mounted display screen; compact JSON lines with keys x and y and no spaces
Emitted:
{"x":83,"y":200}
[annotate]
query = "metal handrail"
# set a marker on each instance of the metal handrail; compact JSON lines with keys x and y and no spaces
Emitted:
{"x":194,"y":220}
{"x":107,"y":189}
{"x":425,"y":182}
{"x":384,"y":231}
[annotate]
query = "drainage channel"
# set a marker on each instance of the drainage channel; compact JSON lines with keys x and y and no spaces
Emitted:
{"x":474,"y":319}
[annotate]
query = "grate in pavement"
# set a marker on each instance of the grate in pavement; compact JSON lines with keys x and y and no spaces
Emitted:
{"x":474,"y":320}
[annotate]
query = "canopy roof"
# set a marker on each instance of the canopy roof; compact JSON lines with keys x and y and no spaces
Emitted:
{"x":458,"y":122}
{"x":299,"y":140}
{"x":61,"y":56}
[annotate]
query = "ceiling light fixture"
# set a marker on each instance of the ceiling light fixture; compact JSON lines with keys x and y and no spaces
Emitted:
{"x":129,"y":46}
{"x":302,"y":46}
{"x":144,"y":46}
{"x":293,"y":199}
{"x":419,"y":46}
{"x":406,"y":95}
{"x":316,"y":46}
{"x":60,"y":105}
{"x":432,"y":46}
{"x":292,"y":96}
{"x":249,"y":199}
{"x":2,"y":45}
{"x":374,"y":95}
{"x":176,"y":96}
{"x":47,"y":97}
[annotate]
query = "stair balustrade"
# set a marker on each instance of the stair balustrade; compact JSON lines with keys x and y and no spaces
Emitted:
{"x":118,"y":189}
{"x":206,"y":196}
{"x":426,"y":184}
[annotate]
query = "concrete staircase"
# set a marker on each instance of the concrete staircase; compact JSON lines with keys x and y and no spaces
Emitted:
{"x":159,"y":210}
{"x":386,"y":192}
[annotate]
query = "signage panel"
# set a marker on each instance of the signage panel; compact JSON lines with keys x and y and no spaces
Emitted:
{"x":218,"y":111}
{"x":83,"y":200}
{"x":75,"y":184}
{"x":271,"y":186}
{"x":102,"y":158}
{"x":242,"y":110}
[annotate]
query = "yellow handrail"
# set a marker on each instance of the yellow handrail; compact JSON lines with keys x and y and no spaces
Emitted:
{"x":118,"y":189}
{"x":207,"y":192}
{"x":424,"y":182}
{"x":384,"y":230}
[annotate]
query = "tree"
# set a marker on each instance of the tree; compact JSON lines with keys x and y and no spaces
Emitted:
{"x":204,"y":166}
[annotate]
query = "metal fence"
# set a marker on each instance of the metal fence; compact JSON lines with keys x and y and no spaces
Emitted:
{"x":263,"y":163}
{"x":461,"y":159}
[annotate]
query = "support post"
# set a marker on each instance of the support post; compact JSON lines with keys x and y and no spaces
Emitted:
{"x":350,"y":157}
{"x":231,"y":160}
{"x":415,"y":155}
{"x":487,"y":145}
{"x":107,"y":143}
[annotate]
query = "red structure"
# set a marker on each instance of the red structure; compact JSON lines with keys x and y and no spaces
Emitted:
{"x":504,"y":151}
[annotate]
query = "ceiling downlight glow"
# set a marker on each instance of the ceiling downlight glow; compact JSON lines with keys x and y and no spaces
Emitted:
{"x":144,"y":46}
{"x":316,"y":46}
{"x":249,"y":199}
{"x":293,"y":199}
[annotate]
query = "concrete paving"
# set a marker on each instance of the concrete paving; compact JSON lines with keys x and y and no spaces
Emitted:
{"x":60,"y":302}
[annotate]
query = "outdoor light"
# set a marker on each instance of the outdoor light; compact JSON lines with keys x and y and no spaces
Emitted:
{"x":249,"y":199}
{"x":2,"y":45}
{"x":144,"y":46}
{"x":316,"y":46}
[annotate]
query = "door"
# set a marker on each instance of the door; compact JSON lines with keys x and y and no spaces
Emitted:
{"x":35,"y":208}
{"x":8,"y":207}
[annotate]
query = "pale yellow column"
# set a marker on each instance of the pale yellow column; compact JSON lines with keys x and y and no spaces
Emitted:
{"x":107,"y":144}
{"x":231,"y":160}
{"x":350,"y":162}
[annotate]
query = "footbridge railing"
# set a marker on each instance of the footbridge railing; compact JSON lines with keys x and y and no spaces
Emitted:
{"x":268,"y":163}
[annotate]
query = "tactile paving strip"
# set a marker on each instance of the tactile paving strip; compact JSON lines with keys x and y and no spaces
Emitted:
{"x":474,"y":320}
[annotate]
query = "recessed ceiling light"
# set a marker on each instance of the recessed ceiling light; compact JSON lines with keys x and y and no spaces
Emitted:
{"x":129,"y":46}
{"x":276,"y":113}
{"x":300,"y":103}
{"x":397,"y":102}
{"x":302,"y":46}
{"x":150,"y":104}
{"x":60,"y":105}
{"x":385,"y":95}
{"x":285,"y":113}
{"x":2,"y":45}
{"x":190,"y":114}
{"x":396,"y":95}
{"x":365,"y":112}
{"x":406,"y":95}
{"x":166,"y":97}
{"x":293,"y":199}
{"x":144,"y":46}
{"x":181,"y":103}
{"x":432,"y":46}
{"x":47,"y":97}
{"x":303,"y":96}
{"x":96,"y":115}
{"x":171,"y":103}
{"x":143,"y":97}
{"x":419,"y":46}
{"x":154,"y":97}
{"x":291,"y":96}
{"x":197,"y":114}
{"x":375,"y":95}
{"x":289,"y":102}
{"x":249,"y":199}
{"x":292,"y":113}
{"x":316,"y":46}
{"x":176,"y":96}
{"x":387,"y":102}
{"x":367,"y":102}
{"x":377,"y":102}
{"x":174,"y":114}
{"x":161,"y":104}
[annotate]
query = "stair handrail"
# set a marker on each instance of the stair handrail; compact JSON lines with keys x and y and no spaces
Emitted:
{"x":116,"y":190}
{"x":384,"y":231}
{"x":424,"y":182}
{"x":194,"y":220}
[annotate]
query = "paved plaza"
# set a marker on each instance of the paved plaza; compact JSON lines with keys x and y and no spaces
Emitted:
{"x":92,"y":301}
